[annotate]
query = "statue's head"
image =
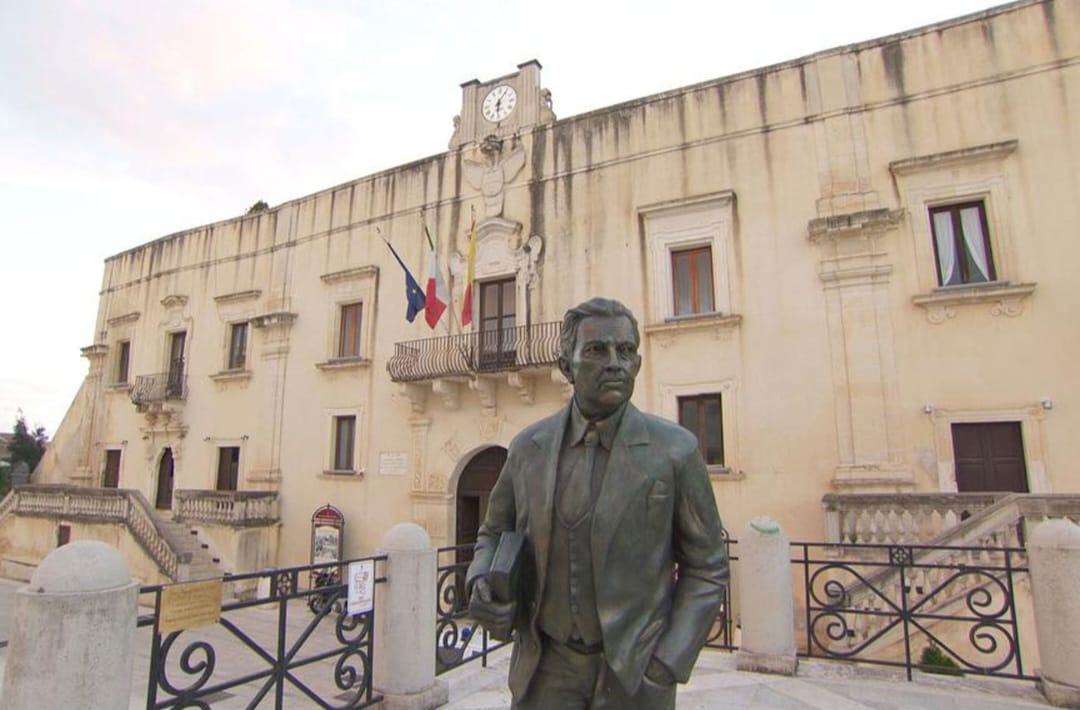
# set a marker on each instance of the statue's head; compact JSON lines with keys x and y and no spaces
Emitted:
{"x":598,"y":353}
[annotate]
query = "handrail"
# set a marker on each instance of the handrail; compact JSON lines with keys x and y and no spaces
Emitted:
{"x":466,"y":354}
{"x":113,"y":505}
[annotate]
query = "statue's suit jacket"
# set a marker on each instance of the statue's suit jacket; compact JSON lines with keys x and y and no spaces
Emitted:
{"x":655,"y":510}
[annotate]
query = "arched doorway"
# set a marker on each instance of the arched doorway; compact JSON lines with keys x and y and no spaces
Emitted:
{"x":474,"y":487}
{"x":163,"y":500}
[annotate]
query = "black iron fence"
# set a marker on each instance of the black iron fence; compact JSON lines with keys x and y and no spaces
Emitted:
{"x":722,"y":635}
{"x":295,"y":642}
{"x":494,"y":350}
{"x":159,"y":387}
{"x":458,"y":639}
{"x":951,"y":610}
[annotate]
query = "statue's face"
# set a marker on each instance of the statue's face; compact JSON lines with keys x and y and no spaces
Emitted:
{"x":604,"y":364}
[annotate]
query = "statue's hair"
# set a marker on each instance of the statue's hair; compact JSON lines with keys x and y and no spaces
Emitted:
{"x":593,"y":307}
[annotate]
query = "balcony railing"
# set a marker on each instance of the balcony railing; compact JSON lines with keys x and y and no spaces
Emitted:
{"x":497,"y":350}
{"x":159,"y":388}
{"x":235,"y":508}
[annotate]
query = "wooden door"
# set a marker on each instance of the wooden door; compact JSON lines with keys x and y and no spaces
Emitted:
{"x":989,"y":457}
{"x":111,"y":477}
{"x":473,"y":492}
{"x":163,"y":500}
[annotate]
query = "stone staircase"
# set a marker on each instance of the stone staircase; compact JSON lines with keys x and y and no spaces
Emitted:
{"x":203,"y":561}
{"x":958,"y":562}
{"x":175,"y":548}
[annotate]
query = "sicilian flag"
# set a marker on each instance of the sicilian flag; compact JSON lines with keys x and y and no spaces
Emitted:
{"x":466,"y":305}
{"x":414,"y":296}
{"x":436,"y":296}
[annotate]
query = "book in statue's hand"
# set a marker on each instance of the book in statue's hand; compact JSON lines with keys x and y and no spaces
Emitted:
{"x":505,"y":573}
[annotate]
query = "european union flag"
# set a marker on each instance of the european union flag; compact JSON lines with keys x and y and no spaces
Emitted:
{"x":414,"y":295}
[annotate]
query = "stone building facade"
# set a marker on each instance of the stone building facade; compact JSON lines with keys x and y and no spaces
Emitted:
{"x":853,"y":273}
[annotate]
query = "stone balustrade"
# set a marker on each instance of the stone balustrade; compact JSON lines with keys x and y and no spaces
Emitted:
{"x":102,"y":505}
{"x":233,"y":508}
{"x":898,"y":519}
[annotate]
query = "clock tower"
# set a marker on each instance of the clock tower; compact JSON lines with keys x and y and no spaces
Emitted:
{"x":502,"y":107}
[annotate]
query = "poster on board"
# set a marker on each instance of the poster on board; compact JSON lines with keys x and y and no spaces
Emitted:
{"x":361,"y":587}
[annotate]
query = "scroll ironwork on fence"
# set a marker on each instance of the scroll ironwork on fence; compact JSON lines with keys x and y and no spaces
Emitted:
{"x":458,"y":639}
{"x":313,"y":651}
{"x":947,"y":610}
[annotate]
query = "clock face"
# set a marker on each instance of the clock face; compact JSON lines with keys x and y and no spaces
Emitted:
{"x":499,"y":103}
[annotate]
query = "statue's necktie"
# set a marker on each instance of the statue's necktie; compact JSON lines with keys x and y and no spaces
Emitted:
{"x":577,"y":493}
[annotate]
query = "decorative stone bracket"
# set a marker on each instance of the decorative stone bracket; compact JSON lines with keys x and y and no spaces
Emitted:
{"x":1007,"y":300}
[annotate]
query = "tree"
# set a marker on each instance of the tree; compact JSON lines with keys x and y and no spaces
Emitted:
{"x":259,"y":206}
{"x":26,"y":444}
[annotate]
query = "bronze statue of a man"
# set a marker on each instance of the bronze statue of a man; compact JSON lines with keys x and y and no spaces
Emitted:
{"x":627,"y":564}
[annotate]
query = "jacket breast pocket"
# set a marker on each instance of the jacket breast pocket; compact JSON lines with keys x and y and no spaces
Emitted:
{"x":658,"y":504}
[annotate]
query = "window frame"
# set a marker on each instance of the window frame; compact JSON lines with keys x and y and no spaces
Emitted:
{"x":233,"y":362}
{"x":670,"y":227}
{"x":700,"y":401}
{"x":336,"y":441}
{"x":122,"y":371}
{"x":959,"y":242}
{"x":342,"y":350}
{"x":695,"y":271}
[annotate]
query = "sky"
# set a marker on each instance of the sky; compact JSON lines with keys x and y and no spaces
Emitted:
{"x":122,"y":121}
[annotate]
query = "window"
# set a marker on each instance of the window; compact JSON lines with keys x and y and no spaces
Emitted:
{"x":702,"y":415}
{"x":174,"y":386}
{"x":349,"y":332}
{"x":111,"y":476}
{"x":238,"y":346}
{"x":691,"y":251}
{"x":962,"y":244}
{"x":228,"y":471}
{"x":344,"y":442}
{"x":123,"y":361}
{"x":498,"y":317}
{"x":691,"y":276}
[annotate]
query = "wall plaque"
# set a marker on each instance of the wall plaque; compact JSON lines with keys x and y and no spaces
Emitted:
{"x":393,"y":463}
{"x":190,"y":605}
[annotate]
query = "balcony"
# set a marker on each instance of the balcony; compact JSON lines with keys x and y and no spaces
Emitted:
{"x":232,"y":508}
{"x":469,"y":354}
{"x":162,"y":387}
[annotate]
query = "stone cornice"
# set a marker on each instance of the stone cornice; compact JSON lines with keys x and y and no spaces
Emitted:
{"x":282,"y":319}
{"x":947,"y":158}
{"x":854,"y":224}
{"x":238,"y":296}
{"x":359,"y":272}
{"x":130,"y":317}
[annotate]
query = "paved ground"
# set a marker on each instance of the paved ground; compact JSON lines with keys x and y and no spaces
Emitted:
{"x":819,"y":685}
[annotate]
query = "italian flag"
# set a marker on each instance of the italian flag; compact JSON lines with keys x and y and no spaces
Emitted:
{"x":466,"y":305}
{"x":436,"y":295}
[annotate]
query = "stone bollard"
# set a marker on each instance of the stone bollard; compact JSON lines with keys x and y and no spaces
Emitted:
{"x":767,"y":611}
{"x":1054,"y":559}
{"x":73,"y":632}
{"x":405,"y":623}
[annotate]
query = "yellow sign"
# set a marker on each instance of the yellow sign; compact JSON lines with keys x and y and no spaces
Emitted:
{"x":190,"y":605}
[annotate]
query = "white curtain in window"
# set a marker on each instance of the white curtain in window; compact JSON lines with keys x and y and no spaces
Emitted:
{"x":946,"y":249}
{"x":974,"y":240}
